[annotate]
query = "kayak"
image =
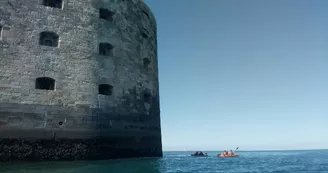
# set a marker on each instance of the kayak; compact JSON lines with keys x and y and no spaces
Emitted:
{"x":236,"y":155}
{"x":198,"y":155}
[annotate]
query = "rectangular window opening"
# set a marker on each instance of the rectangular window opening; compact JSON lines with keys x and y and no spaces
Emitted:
{"x":1,"y":31}
{"x":145,"y":13}
{"x":105,"y":89}
{"x":53,"y":3}
{"x":106,"y":14}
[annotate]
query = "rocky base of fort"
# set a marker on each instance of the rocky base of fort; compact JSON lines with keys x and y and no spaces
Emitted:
{"x":68,"y":149}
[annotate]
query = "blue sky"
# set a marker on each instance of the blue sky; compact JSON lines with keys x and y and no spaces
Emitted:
{"x":242,"y":73}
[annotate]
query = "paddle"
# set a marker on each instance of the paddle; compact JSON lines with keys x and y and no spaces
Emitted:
{"x":236,"y":149}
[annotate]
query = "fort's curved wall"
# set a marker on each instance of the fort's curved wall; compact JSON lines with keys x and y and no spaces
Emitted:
{"x":74,"y":121}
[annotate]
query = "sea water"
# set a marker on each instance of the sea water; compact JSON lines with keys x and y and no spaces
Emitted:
{"x":315,"y":161}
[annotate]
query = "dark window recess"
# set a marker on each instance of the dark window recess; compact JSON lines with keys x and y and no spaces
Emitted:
{"x":106,"y":49}
{"x":53,"y":3}
{"x":144,"y":33}
{"x":0,"y":31}
{"x":105,"y":89}
{"x":145,"y":13}
{"x":60,"y":123}
{"x":146,"y":63}
{"x":106,"y":14}
{"x":147,"y":97}
{"x":49,"y":39}
{"x":45,"y":83}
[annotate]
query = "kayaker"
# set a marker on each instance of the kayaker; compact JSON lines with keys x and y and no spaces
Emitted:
{"x":230,"y":153}
{"x":224,"y":153}
{"x":201,"y":154}
{"x":196,"y":154}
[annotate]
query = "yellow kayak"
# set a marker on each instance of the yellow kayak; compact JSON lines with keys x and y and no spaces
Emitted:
{"x":234,"y":155}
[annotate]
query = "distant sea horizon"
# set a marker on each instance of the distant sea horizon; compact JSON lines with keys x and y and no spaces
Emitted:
{"x":240,"y":150}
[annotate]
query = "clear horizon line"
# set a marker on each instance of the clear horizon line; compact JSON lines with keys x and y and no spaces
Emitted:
{"x":250,"y":150}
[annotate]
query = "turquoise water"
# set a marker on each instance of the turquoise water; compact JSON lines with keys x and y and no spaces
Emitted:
{"x":182,"y":162}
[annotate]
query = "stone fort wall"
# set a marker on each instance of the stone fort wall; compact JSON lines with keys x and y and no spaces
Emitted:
{"x":78,"y":80}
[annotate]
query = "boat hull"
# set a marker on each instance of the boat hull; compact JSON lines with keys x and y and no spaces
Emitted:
{"x":228,"y":156}
{"x":198,"y":156}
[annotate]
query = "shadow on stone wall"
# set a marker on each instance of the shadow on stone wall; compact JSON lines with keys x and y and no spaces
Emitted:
{"x":38,"y":132}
